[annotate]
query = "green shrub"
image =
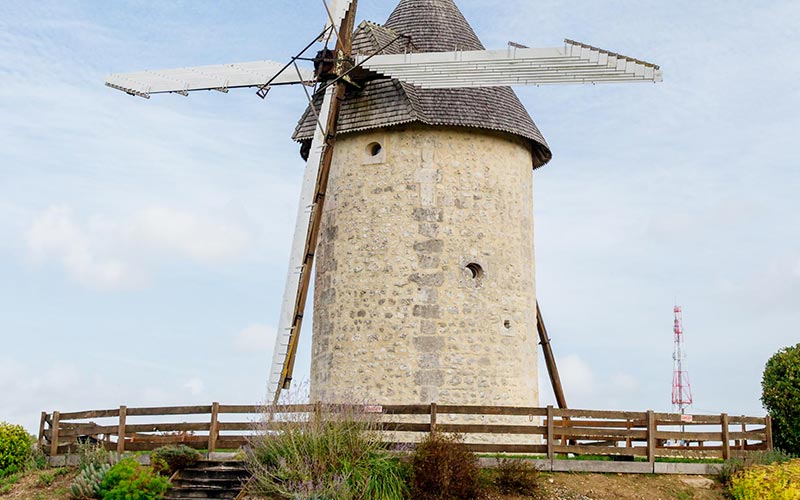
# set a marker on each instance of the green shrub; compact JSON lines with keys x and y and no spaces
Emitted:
{"x":130,"y":481}
{"x":169,"y":459}
{"x":734,"y":465}
{"x":517,"y":477}
{"x":779,"y":481}
{"x":86,"y":484}
{"x":443,"y":469}
{"x":332,"y":456}
{"x":780,"y":395}
{"x":15,"y":448}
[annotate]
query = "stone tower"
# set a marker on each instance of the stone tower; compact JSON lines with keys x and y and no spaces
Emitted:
{"x":425,"y":284}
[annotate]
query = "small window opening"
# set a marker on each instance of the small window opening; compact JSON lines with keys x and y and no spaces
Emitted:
{"x":475,"y":270}
{"x":507,"y":324}
{"x":374,"y":149}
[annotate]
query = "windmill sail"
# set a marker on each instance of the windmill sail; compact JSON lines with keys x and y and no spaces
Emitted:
{"x":573,"y":63}
{"x":337,"y":9}
{"x":215,"y":77}
{"x":286,"y":340}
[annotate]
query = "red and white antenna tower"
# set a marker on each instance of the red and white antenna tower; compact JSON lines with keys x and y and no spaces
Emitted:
{"x":681,"y":388}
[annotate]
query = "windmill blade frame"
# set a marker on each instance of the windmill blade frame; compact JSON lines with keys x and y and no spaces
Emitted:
{"x":219,"y":77}
{"x":574,"y":63}
{"x":290,"y":324}
{"x":300,"y":264}
{"x":337,"y":10}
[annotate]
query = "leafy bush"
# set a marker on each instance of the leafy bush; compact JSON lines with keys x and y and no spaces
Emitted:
{"x":130,"y":481}
{"x":332,"y":456}
{"x":780,"y":395}
{"x":767,"y":482}
{"x":734,"y":465}
{"x":87,"y":483}
{"x":169,"y":459}
{"x":518,"y":477}
{"x":15,"y":448}
{"x":443,"y":469}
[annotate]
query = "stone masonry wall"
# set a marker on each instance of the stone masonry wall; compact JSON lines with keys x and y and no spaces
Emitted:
{"x":424,"y":287}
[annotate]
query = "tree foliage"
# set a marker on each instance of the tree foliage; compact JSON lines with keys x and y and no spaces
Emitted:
{"x":781,"y":397}
{"x":15,"y":447}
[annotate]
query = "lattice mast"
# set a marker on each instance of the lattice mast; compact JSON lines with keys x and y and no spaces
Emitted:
{"x":681,"y":388}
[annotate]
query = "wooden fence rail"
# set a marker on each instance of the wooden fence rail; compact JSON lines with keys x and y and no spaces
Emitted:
{"x":487,"y":429}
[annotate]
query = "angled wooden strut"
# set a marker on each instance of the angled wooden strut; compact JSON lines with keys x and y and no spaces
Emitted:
{"x":549,"y":359}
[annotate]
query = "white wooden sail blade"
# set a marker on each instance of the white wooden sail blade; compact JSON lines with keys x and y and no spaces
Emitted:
{"x":573,"y":63}
{"x":286,"y":339}
{"x":336,"y":12}
{"x":215,"y":77}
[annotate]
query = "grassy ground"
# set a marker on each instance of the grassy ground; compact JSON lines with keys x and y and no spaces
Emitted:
{"x":53,"y":484}
{"x":50,"y":484}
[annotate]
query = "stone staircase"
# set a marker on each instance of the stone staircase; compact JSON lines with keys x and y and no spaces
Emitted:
{"x":216,"y":479}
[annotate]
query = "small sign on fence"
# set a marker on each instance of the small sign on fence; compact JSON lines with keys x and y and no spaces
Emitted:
{"x":373,"y":409}
{"x":686,"y":418}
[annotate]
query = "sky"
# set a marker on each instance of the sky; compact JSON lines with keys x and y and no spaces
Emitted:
{"x":144,"y":243}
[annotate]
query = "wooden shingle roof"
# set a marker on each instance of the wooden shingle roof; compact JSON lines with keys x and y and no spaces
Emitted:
{"x":433,"y":26}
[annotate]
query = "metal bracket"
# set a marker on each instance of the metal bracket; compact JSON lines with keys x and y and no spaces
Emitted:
{"x":263,"y":91}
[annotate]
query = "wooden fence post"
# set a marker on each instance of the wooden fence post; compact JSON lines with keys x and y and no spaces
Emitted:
{"x":550,"y":451}
{"x":123,"y":416}
{"x":433,"y":418}
{"x":213,"y":429}
{"x":629,"y":426}
{"x":744,"y":439}
{"x":726,"y":441}
{"x":317,"y":412}
{"x":768,"y":430}
{"x":42,"y":421}
{"x":651,"y":436}
{"x":54,"y":435}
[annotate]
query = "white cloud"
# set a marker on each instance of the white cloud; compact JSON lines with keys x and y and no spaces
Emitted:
{"x":255,"y":337}
{"x":55,"y":235}
{"x":202,"y":239}
{"x":114,"y":253}
{"x":195,"y":386}
{"x":576,"y":375}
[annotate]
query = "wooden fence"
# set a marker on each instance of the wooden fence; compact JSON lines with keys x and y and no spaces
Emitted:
{"x":487,"y":429}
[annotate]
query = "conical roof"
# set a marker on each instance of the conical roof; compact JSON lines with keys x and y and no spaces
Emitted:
{"x":433,"y":26}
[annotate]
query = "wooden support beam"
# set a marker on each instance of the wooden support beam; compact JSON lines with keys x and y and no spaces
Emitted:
{"x":549,"y":359}
{"x":433,"y":418}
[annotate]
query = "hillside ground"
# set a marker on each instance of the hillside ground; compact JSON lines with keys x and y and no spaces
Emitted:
{"x":53,"y":484}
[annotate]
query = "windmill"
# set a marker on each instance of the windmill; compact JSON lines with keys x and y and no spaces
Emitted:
{"x":417,"y":197}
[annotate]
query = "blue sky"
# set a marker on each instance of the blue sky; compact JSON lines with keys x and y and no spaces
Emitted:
{"x":143,"y":243}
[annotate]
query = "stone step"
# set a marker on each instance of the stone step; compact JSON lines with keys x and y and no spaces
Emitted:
{"x":200,"y":483}
{"x":214,"y":473}
{"x":205,"y":464}
{"x":209,"y":479}
{"x":183,"y":494}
